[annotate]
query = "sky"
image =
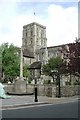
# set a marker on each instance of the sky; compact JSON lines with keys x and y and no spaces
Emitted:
{"x":59,"y":17}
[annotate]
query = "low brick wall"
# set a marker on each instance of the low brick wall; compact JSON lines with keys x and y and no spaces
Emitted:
{"x":49,"y":90}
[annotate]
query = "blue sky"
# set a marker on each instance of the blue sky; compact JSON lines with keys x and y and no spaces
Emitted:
{"x":60,"y":19}
{"x":41,"y":7}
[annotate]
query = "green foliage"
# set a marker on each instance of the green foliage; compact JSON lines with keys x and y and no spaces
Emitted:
{"x":46,"y":69}
{"x":26,"y":72}
{"x":10,"y":60}
{"x":5,"y":45}
{"x":53,"y":64}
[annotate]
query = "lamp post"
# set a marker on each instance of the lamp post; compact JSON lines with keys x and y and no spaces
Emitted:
{"x":57,"y":74}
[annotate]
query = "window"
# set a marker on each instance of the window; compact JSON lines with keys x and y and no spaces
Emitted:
{"x":26,"y":34}
{"x":31,"y":40}
{"x":37,"y":33}
{"x":31,"y":33}
{"x":41,"y":42}
{"x":37,"y":41}
{"x":25,"y":41}
{"x":42,"y":32}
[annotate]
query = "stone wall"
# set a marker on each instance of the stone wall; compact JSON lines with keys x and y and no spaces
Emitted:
{"x":70,"y":90}
{"x":49,"y":90}
{"x":66,"y":91}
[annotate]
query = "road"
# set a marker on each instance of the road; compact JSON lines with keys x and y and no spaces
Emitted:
{"x":63,"y":110}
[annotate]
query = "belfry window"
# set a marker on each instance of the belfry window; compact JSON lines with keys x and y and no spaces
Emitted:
{"x":37,"y":41}
{"x":31,"y":40}
{"x":31,"y":33}
{"x":26,"y":34}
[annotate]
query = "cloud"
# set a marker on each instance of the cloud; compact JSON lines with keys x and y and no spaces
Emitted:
{"x":41,"y":1}
{"x":7,"y":15}
{"x":61,"y":23}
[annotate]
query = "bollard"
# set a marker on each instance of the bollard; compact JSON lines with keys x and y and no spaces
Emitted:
{"x":36,"y":100}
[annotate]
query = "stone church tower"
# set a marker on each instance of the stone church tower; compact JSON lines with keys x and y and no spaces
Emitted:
{"x":34,"y":39}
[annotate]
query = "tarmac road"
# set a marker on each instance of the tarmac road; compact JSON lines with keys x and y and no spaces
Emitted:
{"x":61,"y":110}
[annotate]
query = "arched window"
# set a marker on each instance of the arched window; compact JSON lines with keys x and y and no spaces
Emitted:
{"x":31,"y":33}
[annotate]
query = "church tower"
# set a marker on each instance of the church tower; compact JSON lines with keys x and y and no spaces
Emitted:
{"x":34,"y":38}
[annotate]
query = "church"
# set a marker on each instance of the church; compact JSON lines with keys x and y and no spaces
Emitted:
{"x":35,"y":41}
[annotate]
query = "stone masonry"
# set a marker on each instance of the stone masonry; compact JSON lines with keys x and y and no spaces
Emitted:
{"x":48,"y":90}
{"x":34,"y":39}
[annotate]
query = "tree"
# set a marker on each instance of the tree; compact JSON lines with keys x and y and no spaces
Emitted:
{"x":53,"y":64}
{"x":1,"y":51}
{"x":71,"y":56}
{"x":10,"y":61}
{"x":74,"y":63}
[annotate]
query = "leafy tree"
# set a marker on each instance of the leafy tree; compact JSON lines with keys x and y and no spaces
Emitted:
{"x":4,"y":45}
{"x":10,"y":61}
{"x":71,"y":56}
{"x":73,"y":52}
{"x":53,"y":64}
{"x":74,"y":63}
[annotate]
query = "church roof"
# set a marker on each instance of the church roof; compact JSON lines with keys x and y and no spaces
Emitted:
{"x":28,"y":53}
{"x":35,"y":65}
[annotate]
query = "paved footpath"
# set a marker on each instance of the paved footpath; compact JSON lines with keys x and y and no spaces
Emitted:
{"x":28,"y":100}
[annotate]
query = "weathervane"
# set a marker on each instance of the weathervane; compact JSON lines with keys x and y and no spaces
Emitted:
{"x":34,"y":15}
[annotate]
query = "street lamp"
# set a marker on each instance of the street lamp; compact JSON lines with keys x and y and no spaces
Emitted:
{"x":57,"y":74}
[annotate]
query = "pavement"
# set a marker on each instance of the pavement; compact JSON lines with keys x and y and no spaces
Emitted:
{"x":28,"y":100}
